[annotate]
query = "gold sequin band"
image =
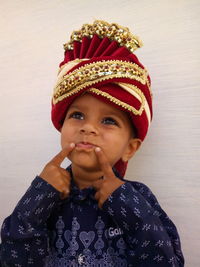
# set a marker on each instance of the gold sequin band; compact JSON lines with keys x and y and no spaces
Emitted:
{"x":92,"y":73}
{"x":113,"y":32}
{"x":66,"y":67}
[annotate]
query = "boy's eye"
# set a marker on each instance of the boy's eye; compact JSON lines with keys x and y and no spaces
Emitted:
{"x":109,"y":121}
{"x":76,"y":115}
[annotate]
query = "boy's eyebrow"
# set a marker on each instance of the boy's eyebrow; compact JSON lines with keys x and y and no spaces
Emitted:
{"x":110,"y":113}
{"x":107,"y":113}
{"x":74,"y":106}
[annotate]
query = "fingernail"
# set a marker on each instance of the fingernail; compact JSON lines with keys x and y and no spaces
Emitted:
{"x":72,"y":145}
{"x":97,"y":149}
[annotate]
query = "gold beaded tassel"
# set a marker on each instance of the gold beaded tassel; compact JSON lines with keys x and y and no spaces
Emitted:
{"x":103,"y":29}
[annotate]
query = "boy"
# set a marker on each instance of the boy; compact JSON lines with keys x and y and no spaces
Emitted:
{"x":88,"y":215}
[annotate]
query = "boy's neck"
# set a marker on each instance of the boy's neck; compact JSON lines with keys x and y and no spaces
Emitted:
{"x":85,"y":178}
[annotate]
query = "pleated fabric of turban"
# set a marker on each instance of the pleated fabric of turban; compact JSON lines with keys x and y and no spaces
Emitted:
{"x":99,"y":59}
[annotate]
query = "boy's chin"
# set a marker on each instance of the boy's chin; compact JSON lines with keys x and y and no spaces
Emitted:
{"x":85,"y":163}
{"x":86,"y":167}
{"x":84,"y":160}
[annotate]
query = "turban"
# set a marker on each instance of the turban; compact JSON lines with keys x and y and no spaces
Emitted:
{"x":100,"y":59}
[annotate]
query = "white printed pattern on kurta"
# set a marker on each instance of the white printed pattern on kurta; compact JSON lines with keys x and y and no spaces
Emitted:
{"x":103,"y":245}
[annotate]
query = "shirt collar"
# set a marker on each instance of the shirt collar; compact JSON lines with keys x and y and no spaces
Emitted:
{"x":79,"y":195}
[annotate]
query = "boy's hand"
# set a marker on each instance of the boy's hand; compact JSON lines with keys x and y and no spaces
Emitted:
{"x":55,"y":175}
{"x":106,"y":186}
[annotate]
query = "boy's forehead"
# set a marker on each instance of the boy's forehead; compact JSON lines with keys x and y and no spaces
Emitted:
{"x":88,"y":101}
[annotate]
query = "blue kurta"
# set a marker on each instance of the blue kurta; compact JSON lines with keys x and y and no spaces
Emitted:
{"x":130,"y":230}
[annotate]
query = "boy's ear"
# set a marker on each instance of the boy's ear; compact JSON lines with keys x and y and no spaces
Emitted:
{"x":133,"y":145}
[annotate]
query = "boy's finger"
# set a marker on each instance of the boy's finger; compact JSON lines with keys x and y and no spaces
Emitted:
{"x":104,"y":164}
{"x":97,"y":196}
{"x":64,"y":194}
{"x":58,"y":159}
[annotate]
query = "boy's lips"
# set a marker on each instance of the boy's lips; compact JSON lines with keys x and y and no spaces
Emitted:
{"x":85,"y":145}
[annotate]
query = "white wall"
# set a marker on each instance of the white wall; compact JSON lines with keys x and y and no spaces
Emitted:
{"x":32,"y":33}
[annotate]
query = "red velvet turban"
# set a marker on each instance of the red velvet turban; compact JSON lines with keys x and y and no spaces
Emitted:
{"x":99,"y":59}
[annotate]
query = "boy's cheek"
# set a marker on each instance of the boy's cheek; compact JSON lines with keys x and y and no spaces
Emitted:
{"x":64,"y":141}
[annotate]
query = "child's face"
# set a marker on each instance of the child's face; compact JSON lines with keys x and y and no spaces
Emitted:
{"x":91,"y":123}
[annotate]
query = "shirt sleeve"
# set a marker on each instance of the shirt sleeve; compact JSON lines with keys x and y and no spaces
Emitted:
{"x":152,"y":236}
{"x":24,"y":233}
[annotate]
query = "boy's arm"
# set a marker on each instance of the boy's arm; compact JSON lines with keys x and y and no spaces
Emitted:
{"x":152,"y":236}
{"x":25,"y":236}
{"x":24,"y":233}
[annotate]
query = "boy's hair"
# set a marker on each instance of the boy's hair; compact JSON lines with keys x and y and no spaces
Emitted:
{"x":99,"y":59}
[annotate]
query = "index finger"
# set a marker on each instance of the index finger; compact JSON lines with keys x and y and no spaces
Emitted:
{"x":104,"y":163}
{"x":58,"y":159}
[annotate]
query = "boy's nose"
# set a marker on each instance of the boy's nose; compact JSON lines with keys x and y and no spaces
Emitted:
{"x":88,"y":128}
